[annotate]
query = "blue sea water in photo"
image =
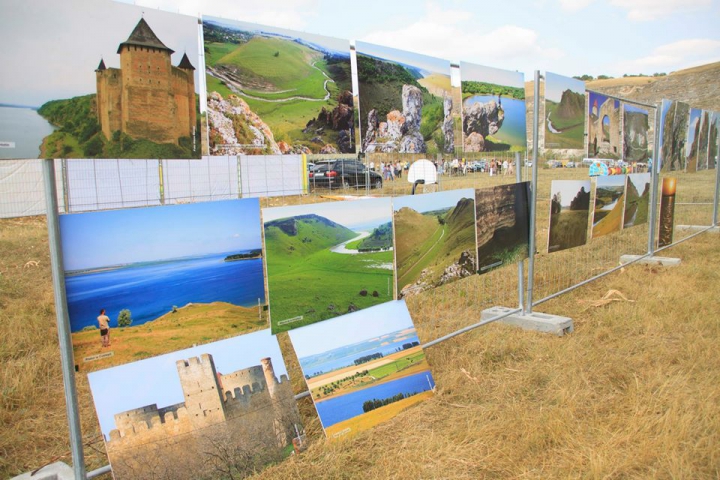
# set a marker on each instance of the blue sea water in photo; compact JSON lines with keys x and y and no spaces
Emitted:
{"x":513,"y":127}
{"x":151,"y":290}
{"x":338,"y":409}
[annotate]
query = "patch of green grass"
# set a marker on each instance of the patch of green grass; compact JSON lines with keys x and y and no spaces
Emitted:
{"x":215,"y":51}
{"x":397,"y":366}
{"x":568,"y":229}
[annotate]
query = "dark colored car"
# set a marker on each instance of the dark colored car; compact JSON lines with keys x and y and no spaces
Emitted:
{"x":344,"y":174}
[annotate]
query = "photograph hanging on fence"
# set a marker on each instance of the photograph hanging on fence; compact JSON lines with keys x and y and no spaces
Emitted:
{"x":145,"y":281}
{"x":435,"y":240}
{"x":569,"y":214}
{"x":364,"y":368}
{"x":327,"y":259}
{"x":609,"y":206}
{"x":406,"y":101}
{"x":502,"y":224}
{"x":125,"y":85}
{"x":703,"y":141}
{"x":714,"y":140}
{"x":604,"y":137}
{"x":564,"y":112}
{"x":674,"y":117}
{"x":692,"y":142}
{"x":667,"y":211}
{"x":636,"y":125}
{"x":276,"y":91}
{"x":493,"y":109}
{"x":637,"y":199}
{"x":224,"y":408}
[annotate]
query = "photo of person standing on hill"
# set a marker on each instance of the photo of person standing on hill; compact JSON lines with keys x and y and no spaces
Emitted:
{"x":104,"y":322}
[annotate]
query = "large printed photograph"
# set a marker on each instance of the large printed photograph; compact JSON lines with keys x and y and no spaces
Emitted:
{"x":636,"y":126}
{"x":406,"y":101}
{"x":364,"y":368}
{"x":692,"y":142}
{"x":604,"y":138}
{"x":493,"y":109}
{"x":435,"y":240}
{"x":145,"y":281}
{"x":98,"y":79}
{"x":637,"y":199}
{"x":221,"y":410}
{"x":327,"y":259}
{"x":609,"y":210}
{"x":564,"y":112}
{"x":674,"y":118}
{"x":569,"y":214}
{"x":276,"y":91}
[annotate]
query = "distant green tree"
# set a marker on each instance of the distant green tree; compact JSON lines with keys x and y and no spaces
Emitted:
{"x":440,"y":220}
{"x":604,"y":77}
{"x":584,"y":78}
{"x":124,"y":318}
{"x":277,"y":54}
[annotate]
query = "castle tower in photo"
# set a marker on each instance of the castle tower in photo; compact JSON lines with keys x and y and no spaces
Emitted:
{"x":147,"y":97}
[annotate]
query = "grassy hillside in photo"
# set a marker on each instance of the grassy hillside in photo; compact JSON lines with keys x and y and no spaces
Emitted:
{"x":307,"y":282}
{"x":570,"y":128}
{"x":607,"y":221}
{"x":567,"y":229}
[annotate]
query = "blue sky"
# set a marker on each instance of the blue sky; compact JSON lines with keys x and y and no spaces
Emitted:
{"x":432,"y":201}
{"x":569,"y":37}
{"x":156,"y":380}
{"x":352,"y":328}
{"x":481,"y":73}
{"x":632,"y":108}
{"x":113,"y":237}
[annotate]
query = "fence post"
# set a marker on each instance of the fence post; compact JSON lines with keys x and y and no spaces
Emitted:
{"x":63,"y":323}
{"x":521,"y":263}
{"x":533,"y":195}
{"x":655,"y":178}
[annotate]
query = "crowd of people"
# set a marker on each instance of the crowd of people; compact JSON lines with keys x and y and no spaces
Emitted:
{"x":455,"y":167}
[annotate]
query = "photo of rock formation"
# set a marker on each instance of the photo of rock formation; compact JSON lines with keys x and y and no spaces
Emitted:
{"x":713,"y":140}
{"x":637,"y":199}
{"x":636,"y":124}
{"x":692,"y":142}
{"x":604,"y":140}
{"x":276,"y":91}
{"x":502,"y":224}
{"x":123,"y":83}
{"x":564,"y":112}
{"x":221,"y":410}
{"x":405,"y":101}
{"x":704,"y":141}
{"x":673,"y":127}
{"x":493,"y":109}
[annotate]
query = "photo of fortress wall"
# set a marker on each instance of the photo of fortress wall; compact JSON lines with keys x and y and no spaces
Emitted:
{"x":124,"y":84}
{"x":222,"y":408}
{"x":604,"y":138}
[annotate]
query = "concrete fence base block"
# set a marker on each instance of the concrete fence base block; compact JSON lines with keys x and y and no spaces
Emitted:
{"x":697,"y":228}
{"x":660,"y":261}
{"x":539,"y":322}
{"x":54,"y":471}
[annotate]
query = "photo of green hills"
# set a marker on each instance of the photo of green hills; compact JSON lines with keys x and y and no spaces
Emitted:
{"x":435,"y":240}
{"x":637,"y":199}
{"x":328,"y":259}
{"x":406,"y":103}
{"x":609,"y":208}
{"x":276,"y":91}
{"x":564,"y":112}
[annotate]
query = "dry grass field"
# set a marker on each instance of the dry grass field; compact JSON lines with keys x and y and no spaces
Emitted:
{"x":634,"y":392}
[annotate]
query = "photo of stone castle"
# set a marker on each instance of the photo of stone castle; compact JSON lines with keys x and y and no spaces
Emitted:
{"x":225,"y":422}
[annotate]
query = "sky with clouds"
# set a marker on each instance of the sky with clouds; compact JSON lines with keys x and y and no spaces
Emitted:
{"x":568,"y":37}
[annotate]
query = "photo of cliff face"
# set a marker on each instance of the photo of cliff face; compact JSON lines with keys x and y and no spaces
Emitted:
{"x":636,"y":125}
{"x":493,"y":109}
{"x":713,"y":140}
{"x":502,"y":223}
{"x":405,"y":101}
{"x":124,"y":87}
{"x":569,"y":214}
{"x":604,"y":140}
{"x":276,"y":91}
{"x":692,"y":142}
{"x":674,"y":118}
{"x":703,"y":141}
{"x":225,"y":408}
{"x":435,"y":240}
{"x":564,"y":112}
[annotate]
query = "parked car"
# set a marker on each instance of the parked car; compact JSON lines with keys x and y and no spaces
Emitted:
{"x":570,"y":165}
{"x":554,"y":164}
{"x":344,"y":174}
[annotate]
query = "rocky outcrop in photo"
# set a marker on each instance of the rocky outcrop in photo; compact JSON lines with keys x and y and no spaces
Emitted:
{"x":234,"y":129}
{"x":401,"y":131}
{"x":339,"y":119}
{"x":447,"y":125}
{"x":479,"y":121}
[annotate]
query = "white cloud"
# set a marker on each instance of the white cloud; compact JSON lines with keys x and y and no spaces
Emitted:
{"x":645,"y":10}
{"x":574,"y":5}
{"x":674,"y":56}
{"x":454,"y":35}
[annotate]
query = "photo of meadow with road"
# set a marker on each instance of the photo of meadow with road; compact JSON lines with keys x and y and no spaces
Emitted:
{"x":168,"y":278}
{"x":364,"y":368}
{"x":272,"y":90}
{"x":564,"y":112}
{"x":327,"y":259}
{"x":609,"y":210}
{"x":435,"y":239}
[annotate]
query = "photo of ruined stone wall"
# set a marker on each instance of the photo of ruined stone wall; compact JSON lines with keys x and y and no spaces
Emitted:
{"x":604,"y":139}
{"x":226,"y":422}
{"x":406,"y":103}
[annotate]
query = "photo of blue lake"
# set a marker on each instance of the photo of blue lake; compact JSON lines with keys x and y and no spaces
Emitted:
{"x":512,"y":131}
{"x":151,"y":290}
{"x":344,"y":407}
{"x":24,"y":127}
